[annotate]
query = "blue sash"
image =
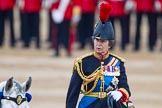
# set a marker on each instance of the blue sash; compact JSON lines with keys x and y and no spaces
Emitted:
{"x":85,"y":101}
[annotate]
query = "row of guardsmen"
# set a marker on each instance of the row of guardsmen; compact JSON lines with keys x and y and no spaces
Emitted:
{"x":122,"y":9}
{"x":71,"y":20}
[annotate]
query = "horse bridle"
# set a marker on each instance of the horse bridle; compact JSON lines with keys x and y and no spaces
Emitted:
{"x":18,"y":100}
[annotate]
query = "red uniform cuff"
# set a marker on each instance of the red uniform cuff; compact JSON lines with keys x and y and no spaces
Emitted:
{"x":125,"y":95}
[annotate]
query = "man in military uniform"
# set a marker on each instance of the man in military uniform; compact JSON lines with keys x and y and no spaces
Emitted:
{"x":118,"y":13}
{"x":146,"y":7}
{"x":31,"y":22}
{"x":99,"y":75}
{"x":7,"y":13}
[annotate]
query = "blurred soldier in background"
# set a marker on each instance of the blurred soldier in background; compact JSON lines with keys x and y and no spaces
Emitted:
{"x":119,"y":13}
{"x":158,"y":9}
{"x":61,"y":15}
{"x":146,"y":7}
{"x":49,"y":5}
{"x":86,"y":24}
{"x":6,"y":12}
{"x":129,"y":9}
{"x":30,"y":21}
{"x":20,"y":4}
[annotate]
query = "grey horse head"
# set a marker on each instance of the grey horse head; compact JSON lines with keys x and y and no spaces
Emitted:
{"x":14,"y":93}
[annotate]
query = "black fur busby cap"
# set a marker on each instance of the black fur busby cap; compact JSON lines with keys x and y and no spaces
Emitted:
{"x":104,"y":29}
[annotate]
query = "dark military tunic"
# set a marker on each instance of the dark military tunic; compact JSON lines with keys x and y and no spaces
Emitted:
{"x":84,"y":77}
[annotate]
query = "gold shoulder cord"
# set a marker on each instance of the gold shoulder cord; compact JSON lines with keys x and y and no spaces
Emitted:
{"x":120,"y":58}
{"x":87,"y":79}
{"x":95,"y":76}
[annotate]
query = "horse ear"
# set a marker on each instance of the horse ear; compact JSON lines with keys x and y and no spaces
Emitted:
{"x":27,"y":84}
{"x":9,"y":84}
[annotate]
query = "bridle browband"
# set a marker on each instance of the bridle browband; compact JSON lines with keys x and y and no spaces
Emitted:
{"x":18,"y":100}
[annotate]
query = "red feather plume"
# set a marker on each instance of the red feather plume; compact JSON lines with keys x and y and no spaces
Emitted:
{"x":104,"y":12}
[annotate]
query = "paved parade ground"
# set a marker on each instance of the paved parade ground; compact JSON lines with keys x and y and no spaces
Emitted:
{"x":51,"y":75}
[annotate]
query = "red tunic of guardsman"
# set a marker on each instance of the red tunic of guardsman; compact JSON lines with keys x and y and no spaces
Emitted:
{"x":54,"y":5}
{"x":145,"y":5}
{"x":118,"y":8}
{"x":32,"y":5}
{"x":7,"y":4}
{"x":87,"y":6}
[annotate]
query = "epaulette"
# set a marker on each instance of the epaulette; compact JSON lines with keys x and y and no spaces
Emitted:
{"x":79,"y":59}
{"x":84,"y":56}
{"x":120,"y":58}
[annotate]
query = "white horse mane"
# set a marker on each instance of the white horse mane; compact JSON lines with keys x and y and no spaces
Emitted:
{"x":14,"y":93}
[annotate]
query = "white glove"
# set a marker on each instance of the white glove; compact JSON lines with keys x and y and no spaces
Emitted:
{"x":116,"y":95}
{"x":157,"y":6}
{"x":57,"y":16}
{"x":20,"y":3}
{"x":130,"y":6}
